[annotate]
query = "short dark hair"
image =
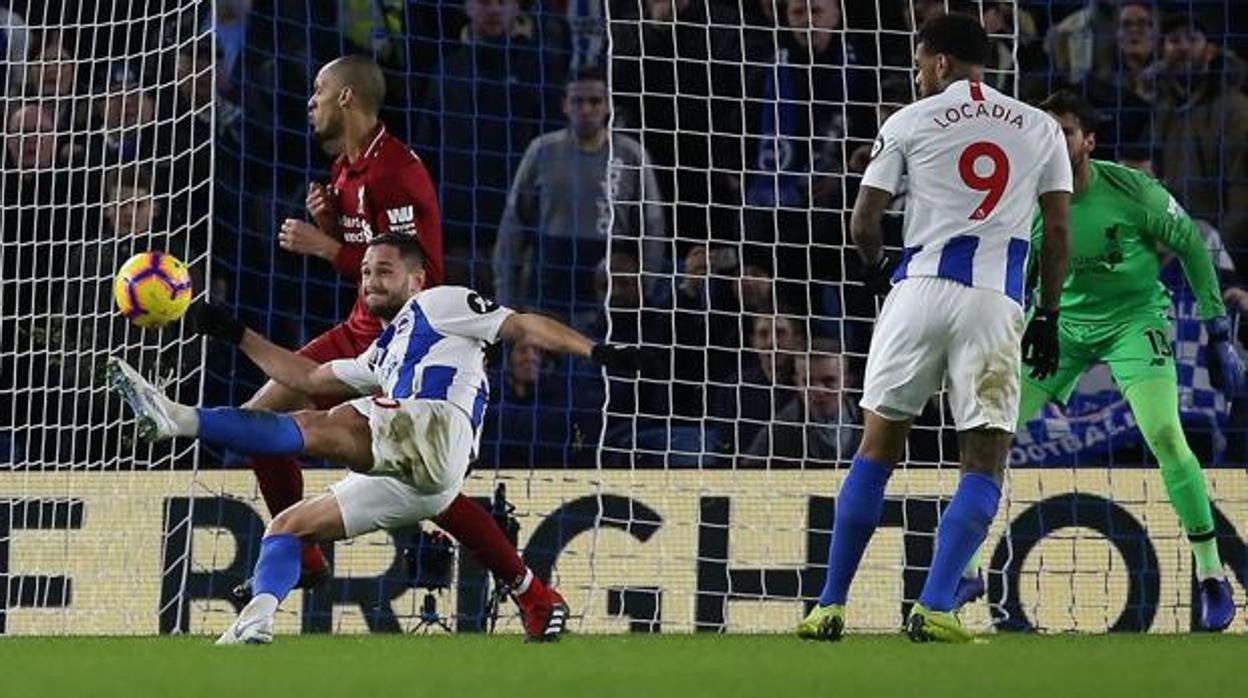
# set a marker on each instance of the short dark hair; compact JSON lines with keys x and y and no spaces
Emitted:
{"x":409,"y":247}
{"x":955,"y":35}
{"x":589,"y":73}
{"x":1182,"y":21}
{"x":1065,"y":102}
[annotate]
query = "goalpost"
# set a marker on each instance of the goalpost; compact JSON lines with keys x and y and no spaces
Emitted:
{"x":699,"y":501}
{"x":108,"y":152}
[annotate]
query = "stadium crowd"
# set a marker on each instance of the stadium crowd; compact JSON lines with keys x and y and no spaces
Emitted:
{"x":688,"y":193}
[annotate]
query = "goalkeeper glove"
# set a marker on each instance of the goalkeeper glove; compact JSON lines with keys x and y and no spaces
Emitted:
{"x":214,"y":321}
{"x":878,"y":276}
{"x":1040,"y":344}
{"x":1226,"y":369}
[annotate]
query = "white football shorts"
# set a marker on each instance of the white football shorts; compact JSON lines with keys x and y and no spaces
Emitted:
{"x":421,"y":450}
{"x":933,"y":332}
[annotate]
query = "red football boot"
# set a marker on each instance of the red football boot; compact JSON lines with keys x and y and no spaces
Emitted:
{"x":544,"y":612}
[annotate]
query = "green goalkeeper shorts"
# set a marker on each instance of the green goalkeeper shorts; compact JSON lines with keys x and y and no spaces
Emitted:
{"x":1136,"y":350}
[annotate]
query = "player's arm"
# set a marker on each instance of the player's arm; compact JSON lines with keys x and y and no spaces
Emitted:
{"x":880,"y":182}
{"x":1054,"y":248}
{"x":864,"y":224}
{"x":454,"y":310}
{"x":1169,"y":224}
{"x":547,"y":333}
{"x":282,"y":365}
{"x":1041,"y":346}
{"x":292,"y":370}
{"x":554,"y":336}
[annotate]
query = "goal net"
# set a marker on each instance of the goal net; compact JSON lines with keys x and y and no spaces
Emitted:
{"x":714,"y":232}
{"x":758,"y":118}
{"x":108,"y":152}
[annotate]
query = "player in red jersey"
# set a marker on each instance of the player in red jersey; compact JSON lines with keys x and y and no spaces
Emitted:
{"x":378,"y":186}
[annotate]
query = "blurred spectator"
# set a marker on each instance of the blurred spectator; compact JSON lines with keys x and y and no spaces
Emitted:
{"x":574,"y":189}
{"x":677,"y":76}
{"x":375,"y":28}
{"x":196,"y":71}
{"x":765,"y":379}
{"x":1202,"y":129}
{"x":230,"y":26}
{"x":817,"y":423}
{"x":1104,"y":51}
{"x":126,"y":113}
{"x":50,"y":69}
{"x":811,"y":97}
{"x":1137,"y":45}
{"x":1015,"y":51}
{"x":14,"y":39}
{"x":30,"y":141}
{"x":528,"y":421}
{"x":486,"y":102}
{"x":1084,"y":43}
{"x":42,"y":197}
{"x":130,"y":208}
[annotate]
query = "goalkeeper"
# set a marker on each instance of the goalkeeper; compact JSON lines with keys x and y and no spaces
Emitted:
{"x":1114,"y":310}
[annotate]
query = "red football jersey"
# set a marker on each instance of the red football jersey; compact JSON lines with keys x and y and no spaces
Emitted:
{"x":386,"y":190}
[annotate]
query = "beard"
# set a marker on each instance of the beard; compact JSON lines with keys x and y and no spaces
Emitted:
{"x":385,"y":307}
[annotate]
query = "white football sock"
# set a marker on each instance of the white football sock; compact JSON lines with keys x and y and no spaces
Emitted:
{"x":186,"y":418}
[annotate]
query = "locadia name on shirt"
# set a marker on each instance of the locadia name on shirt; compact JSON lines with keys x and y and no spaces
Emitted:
{"x":979,"y":110}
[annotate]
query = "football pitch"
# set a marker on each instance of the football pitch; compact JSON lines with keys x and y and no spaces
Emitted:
{"x":699,"y":665}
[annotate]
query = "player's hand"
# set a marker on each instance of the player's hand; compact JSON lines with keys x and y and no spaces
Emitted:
{"x":1226,"y":369}
{"x":878,"y":277}
{"x":627,"y":360}
{"x":214,"y":321}
{"x":1040,"y":344}
{"x":323,"y":207}
{"x":301,"y":237}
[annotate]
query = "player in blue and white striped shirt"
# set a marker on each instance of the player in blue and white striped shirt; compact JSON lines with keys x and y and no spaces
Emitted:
{"x":409,"y":441}
{"x":976,"y":162}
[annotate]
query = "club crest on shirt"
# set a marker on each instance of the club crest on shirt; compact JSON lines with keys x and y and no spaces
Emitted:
{"x":877,"y":146}
{"x":481,"y":305}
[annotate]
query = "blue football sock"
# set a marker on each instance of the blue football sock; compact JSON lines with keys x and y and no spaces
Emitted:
{"x":254,"y":432}
{"x":858,"y":510}
{"x":277,"y":570}
{"x":962,"y":530}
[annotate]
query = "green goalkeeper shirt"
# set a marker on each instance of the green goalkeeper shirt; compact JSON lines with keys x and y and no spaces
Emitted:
{"x":1118,"y":226}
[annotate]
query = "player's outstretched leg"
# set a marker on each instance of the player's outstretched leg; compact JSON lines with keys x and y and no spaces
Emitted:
{"x":859,"y":506}
{"x":158,"y":417}
{"x":1154,"y":403}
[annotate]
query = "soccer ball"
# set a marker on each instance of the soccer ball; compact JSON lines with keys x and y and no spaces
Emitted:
{"x":152,"y":289}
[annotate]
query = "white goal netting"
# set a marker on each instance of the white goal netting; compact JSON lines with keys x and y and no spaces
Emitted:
{"x":699,"y":500}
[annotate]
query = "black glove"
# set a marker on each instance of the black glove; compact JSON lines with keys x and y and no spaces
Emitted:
{"x":215,"y":321}
{"x":878,"y":277}
{"x":1040,"y":345}
{"x":617,"y":358}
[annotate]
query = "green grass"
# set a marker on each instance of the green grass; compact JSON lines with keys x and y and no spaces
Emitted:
{"x":636,"y":666}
